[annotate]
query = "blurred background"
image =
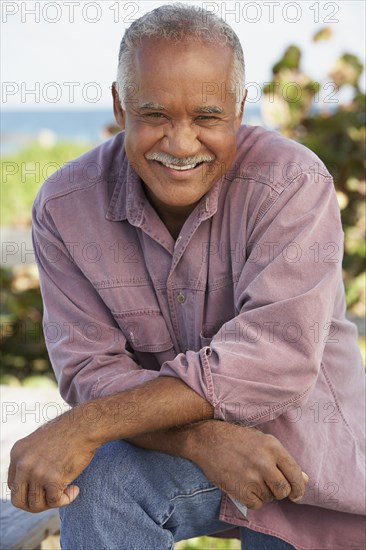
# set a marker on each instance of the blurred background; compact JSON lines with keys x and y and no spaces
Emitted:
{"x":305,"y":78}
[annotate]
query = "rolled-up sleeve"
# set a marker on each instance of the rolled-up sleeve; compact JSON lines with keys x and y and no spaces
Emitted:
{"x":86,"y":347}
{"x":268,"y":356}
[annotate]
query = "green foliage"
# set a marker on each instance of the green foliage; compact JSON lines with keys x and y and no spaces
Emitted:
{"x":24,"y":356}
{"x":337,"y":135}
{"x":290,"y":60}
{"x":23,"y":173}
{"x":323,"y":34}
{"x":208,"y":543}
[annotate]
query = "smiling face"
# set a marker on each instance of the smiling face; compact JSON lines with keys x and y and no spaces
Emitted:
{"x":181,"y":123}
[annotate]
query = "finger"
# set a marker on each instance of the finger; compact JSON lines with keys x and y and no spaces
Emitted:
{"x":35,"y":497}
{"x":260,"y":490}
{"x":71,"y":492}
{"x":264,"y":493}
{"x":54,"y":494}
{"x":293,"y":474}
{"x":66,"y":497}
{"x":11,"y":474}
{"x":253,"y":502}
{"x":250,"y":495}
{"x":305,"y":478}
{"x":57,"y":496}
{"x":296,"y":496}
{"x":19,"y":492}
{"x":278,"y":485}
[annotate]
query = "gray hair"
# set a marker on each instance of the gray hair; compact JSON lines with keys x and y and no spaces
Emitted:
{"x":175,"y":23}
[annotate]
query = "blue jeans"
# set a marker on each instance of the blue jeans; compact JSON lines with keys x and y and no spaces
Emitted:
{"x":135,"y":499}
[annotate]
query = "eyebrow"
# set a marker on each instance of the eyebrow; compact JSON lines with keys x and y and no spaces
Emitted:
{"x":152,"y":106}
{"x":207,"y":109}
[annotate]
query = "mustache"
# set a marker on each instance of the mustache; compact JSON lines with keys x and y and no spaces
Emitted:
{"x":169,"y":159}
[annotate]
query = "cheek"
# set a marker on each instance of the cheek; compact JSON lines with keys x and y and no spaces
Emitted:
{"x":220,"y":140}
{"x":140,"y":138}
{"x":223,"y":148}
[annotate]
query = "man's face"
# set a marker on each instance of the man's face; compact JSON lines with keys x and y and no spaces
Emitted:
{"x":181,"y":121}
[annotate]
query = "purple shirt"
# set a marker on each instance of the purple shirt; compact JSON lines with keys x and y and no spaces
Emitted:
{"x":246,"y":307}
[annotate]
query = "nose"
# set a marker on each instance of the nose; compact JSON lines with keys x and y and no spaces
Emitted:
{"x":181,"y":140}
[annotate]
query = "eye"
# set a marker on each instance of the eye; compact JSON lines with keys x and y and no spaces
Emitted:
{"x":207,"y":117}
{"x":154,"y":115}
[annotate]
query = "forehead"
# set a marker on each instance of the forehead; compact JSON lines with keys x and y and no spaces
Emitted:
{"x":195,"y":71}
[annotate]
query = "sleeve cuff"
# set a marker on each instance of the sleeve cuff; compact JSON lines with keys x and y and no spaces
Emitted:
{"x":194,"y":369}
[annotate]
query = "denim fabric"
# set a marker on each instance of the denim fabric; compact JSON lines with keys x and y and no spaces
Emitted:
{"x":145,"y":500}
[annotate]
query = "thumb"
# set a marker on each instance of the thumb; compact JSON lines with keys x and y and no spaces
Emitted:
{"x":305,"y":478}
{"x":69,"y":495}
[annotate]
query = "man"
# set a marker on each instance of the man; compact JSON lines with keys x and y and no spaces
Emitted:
{"x":194,"y":310}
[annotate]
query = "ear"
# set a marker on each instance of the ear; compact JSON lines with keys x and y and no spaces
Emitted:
{"x":119,"y":113}
{"x":239,"y":116}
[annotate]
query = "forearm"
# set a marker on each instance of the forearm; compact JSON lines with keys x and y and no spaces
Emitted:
{"x":157,"y":405}
{"x":55,"y":454}
{"x":183,"y":442}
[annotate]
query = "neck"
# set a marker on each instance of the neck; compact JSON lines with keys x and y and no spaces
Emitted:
{"x":173,"y":225}
{"x":173,"y":217}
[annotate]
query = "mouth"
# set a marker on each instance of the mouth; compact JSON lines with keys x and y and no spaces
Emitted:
{"x":179,"y":167}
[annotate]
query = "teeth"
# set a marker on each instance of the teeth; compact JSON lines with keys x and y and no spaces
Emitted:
{"x":176,"y":167}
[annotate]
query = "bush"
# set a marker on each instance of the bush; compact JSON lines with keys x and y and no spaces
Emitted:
{"x":337,"y":136}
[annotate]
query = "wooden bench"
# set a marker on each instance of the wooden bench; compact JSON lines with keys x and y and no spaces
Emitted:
{"x":24,"y":531}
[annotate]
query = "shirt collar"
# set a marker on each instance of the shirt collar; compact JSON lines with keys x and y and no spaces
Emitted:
{"x":128,"y":199}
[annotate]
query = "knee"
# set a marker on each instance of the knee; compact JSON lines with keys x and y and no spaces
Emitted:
{"x":107,"y":468}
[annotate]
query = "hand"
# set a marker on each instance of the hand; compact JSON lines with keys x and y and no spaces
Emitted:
{"x":250,"y":466}
{"x":45,"y":462}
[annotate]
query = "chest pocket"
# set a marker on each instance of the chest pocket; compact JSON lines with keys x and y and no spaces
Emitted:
{"x":145,"y":330}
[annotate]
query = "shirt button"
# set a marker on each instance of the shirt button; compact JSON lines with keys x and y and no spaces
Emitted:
{"x":181,"y":298}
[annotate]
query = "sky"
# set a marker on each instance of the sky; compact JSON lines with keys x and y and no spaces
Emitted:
{"x":63,"y":54}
